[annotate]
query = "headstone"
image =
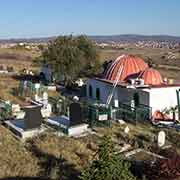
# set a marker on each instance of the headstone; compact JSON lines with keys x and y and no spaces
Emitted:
{"x":46,"y":111}
{"x":126,"y":130}
{"x":36,"y":97}
{"x":37,"y":85}
{"x":76,"y":98}
{"x":45,"y":98}
{"x":33,"y":118}
{"x":75,"y":114}
{"x":161,"y":138}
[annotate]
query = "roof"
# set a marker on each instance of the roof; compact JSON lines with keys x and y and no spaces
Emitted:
{"x":124,"y":84}
{"x":151,"y":77}
{"x":131,"y":67}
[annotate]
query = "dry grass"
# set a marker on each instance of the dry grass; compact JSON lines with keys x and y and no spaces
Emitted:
{"x":19,"y":59}
{"x":15,"y":160}
{"x":156,"y":54}
{"x":57,"y":157}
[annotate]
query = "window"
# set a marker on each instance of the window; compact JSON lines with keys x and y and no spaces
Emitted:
{"x":97,"y":93}
{"x":90,"y":91}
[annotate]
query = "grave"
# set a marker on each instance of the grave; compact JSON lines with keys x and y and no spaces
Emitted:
{"x":72,"y":125}
{"x":161,"y":138}
{"x":30,"y":125}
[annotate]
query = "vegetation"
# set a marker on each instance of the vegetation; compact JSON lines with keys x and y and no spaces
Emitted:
{"x":164,"y":169}
{"x":107,"y":165}
{"x":71,"y":57}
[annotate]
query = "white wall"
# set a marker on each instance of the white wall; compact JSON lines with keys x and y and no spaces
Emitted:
{"x":121,"y":94}
{"x":157,"y":98}
{"x":105,"y":89}
{"x":161,"y":98}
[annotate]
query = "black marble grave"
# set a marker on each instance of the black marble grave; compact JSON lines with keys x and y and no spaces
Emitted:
{"x":75,"y":114}
{"x":33,"y":118}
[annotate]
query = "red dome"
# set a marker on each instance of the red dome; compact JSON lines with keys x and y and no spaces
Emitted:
{"x":131,"y":65}
{"x":151,"y":77}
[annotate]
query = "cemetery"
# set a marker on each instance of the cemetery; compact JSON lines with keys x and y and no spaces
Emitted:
{"x":140,"y":126}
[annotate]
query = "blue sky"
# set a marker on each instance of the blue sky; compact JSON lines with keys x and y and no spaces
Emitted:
{"x":39,"y":18}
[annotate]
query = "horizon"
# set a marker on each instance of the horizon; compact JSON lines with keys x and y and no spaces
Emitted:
{"x":43,"y":18}
{"x":46,"y":37}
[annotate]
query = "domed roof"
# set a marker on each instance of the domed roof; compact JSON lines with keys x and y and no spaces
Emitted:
{"x":151,"y":77}
{"x":131,"y":67}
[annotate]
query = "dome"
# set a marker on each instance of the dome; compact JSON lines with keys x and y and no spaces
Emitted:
{"x":131,"y":65}
{"x":151,"y":77}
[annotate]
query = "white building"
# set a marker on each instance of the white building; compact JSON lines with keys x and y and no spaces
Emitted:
{"x":138,"y":84}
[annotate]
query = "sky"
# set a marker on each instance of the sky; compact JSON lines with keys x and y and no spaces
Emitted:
{"x":44,"y":18}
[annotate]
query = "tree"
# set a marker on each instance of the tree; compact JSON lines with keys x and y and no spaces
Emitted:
{"x":71,"y":57}
{"x":108,"y":165}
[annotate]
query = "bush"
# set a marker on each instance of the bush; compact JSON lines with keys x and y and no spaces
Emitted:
{"x":108,"y":165}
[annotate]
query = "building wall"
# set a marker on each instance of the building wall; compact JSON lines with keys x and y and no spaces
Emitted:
{"x":161,"y":98}
{"x":121,"y":94}
{"x":156,"y":98}
{"x":104,"y":88}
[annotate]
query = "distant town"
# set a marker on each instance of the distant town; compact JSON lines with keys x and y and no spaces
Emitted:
{"x":121,"y":41}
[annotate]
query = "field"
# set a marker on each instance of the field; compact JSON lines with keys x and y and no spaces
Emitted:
{"x":52,"y":157}
{"x":165,"y":60}
{"x":55,"y":157}
{"x":21,"y":59}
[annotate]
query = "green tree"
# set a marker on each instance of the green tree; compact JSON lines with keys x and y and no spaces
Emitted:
{"x":71,"y":57}
{"x":108,"y":165}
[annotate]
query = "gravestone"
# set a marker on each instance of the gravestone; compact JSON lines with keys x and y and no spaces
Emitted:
{"x":126,"y":130}
{"x":75,"y":114}
{"x":161,"y":138}
{"x":33,"y":117}
{"x":45,"y":98}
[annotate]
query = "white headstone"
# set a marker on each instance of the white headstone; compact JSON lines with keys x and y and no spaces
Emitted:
{"x":45,"y":99}
{"x":126,"y":130}
{"x":36,"y":97}
{"x":45,"y":96}
{"x":76,"y":98}
{"x":37,"y":86}
{"x":161,"y":138}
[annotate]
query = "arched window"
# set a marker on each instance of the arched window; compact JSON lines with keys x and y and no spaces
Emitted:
{"x":97,"y":93}
{"x":90,"y":91}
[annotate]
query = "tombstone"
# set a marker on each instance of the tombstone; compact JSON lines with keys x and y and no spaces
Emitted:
{"x":36,"y":97}
{"x":126,"y":130}
{"x":161,"y":138}
{"x":76,"y":98}
{"x":45,"y":98}
{"x":33,"y":118}
{"x":75,"y":114}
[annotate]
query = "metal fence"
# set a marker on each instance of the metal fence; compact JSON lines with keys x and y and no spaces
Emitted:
{"x":126,"y":112}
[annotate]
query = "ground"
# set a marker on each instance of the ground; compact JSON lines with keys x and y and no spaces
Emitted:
{"x":52,"y":156}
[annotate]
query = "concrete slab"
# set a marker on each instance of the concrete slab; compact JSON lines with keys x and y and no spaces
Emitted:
{"x":17,"y":127}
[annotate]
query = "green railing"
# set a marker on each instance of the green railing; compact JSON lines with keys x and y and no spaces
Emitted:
{"x":126,"y":112}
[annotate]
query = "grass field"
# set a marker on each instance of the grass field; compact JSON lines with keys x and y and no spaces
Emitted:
{"x":57,"y":157}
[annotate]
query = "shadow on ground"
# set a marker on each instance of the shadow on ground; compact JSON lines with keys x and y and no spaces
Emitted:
{"x":51,"y":168}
